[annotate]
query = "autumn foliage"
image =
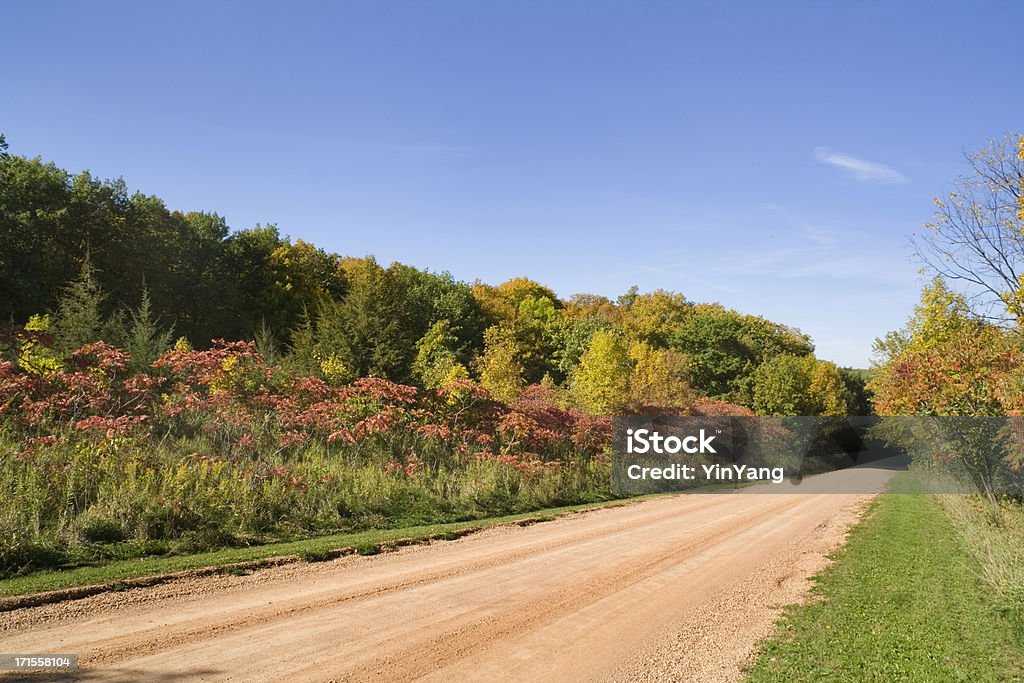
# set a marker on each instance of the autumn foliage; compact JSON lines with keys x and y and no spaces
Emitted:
{"x":216,"y":446}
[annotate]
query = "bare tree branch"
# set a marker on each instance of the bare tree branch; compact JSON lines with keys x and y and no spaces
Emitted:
{"x":976,"y":236}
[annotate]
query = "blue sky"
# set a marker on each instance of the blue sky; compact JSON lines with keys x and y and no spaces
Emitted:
{"x":774,"y":157}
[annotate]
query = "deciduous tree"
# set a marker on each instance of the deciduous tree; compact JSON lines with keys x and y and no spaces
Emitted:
{"x":499,"y":368}
{"x":659,"y":378}
{"x":976,"y":238}
{"x":601,"y":382}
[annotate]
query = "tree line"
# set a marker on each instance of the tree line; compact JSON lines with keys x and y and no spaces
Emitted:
{"x":86,"y":260}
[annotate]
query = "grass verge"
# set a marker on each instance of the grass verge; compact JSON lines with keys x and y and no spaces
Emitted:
{"x":993,"y":532}
{"x":904,"y":600}
{"x":119,"y":574}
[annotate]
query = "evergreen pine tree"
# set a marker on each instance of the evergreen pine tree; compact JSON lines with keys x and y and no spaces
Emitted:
{"x":78,"y":320}
{"x":301,"y":359}
{"x":266,"y":343}
{"x":144,"y":340}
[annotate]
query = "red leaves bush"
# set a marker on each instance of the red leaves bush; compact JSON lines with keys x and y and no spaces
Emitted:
{"x":230,"y":395}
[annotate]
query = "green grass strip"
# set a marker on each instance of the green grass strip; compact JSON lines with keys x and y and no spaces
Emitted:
{"x":903,"y":601}
{"x":323,"y":547}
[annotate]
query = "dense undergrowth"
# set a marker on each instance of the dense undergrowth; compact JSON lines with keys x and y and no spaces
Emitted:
{"x":993,"y":533}
{"x":216,"y":448}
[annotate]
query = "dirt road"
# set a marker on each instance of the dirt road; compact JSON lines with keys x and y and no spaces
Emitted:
{"x":673,"y":588}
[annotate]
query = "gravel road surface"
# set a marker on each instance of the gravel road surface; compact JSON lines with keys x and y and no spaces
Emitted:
{"x":676,"y":588}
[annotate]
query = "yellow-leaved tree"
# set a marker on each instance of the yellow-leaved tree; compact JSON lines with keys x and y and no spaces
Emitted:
{"x":601,"y":382}
{"x":659,"y":378}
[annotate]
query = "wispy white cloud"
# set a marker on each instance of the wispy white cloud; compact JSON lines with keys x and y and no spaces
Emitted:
{"x":809,"y":231}
{"x":860,"y":169}
{"x":828,"y":261}
{"x":822,"y":236}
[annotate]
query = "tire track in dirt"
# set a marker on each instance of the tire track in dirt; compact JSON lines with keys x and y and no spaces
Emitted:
{"x":161,"y":637}
{"x":420,"y":660}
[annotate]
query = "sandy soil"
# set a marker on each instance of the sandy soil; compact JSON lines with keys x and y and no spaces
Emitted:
{"x":673,"y":588}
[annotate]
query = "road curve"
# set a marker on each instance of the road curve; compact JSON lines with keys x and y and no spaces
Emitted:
{"x":672,"y":588}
